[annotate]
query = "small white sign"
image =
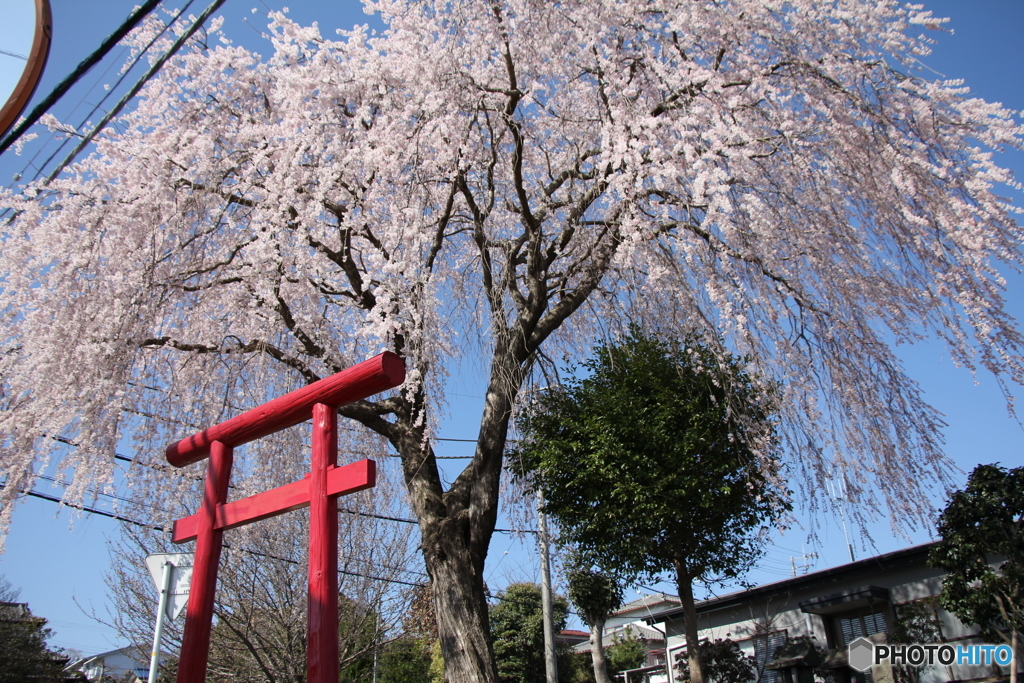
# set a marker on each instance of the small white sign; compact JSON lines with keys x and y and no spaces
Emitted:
{"x":181,"y":579}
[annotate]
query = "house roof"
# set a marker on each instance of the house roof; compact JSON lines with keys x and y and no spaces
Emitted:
{"x":897,"y":558}
{"x":17,"y":611}
{"x":638,"y":631}
{"x":133,"y":652}
{"x":646,"y":603}
{"x":126,"y":650}
{"x":573,"y":633}
{"x":647,"y":635}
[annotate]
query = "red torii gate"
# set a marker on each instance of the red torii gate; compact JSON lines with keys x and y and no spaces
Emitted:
{"x":319,"y":490}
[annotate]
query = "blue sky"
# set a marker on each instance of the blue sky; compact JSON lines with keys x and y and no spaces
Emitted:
{"x":58,"y":560}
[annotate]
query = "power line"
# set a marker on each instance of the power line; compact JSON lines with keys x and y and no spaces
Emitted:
{"x":138,"y":58}
{"x":133,"y":19}
{"x":110,"y":90}
{"x":83,"y":508}
{"x":157,"y":527}
{"x":157,"y":65}
{"x":92,"y":511}
{"x":104,"y":513}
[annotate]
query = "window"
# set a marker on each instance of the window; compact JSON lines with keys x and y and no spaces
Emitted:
{"x":850,"y":626}
{"x":764,"y":652}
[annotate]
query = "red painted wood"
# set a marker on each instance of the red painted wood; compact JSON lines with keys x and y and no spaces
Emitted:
{"x":340,"y":481}
{"x":357,"y":476}
{"x":322,"y":642}
{"x":260,"y":506}
{"x":320,"y":490}
{"x":352,"y":384}
{"x":195,"y":646}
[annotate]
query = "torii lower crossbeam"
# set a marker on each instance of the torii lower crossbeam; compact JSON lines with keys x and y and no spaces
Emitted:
{"x":319,"y":490}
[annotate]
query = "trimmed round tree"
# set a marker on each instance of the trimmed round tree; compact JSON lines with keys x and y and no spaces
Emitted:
{"x":658,"y":459}
{"x":595,"y":595}
{"x":982,"y":551}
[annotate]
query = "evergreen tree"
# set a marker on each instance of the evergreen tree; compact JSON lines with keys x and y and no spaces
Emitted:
{"x":517,"y":629}
{"x":660,"y":459}
{"x":24,"y":654}
{"x":723,"y":662}
{"x":982,"y":553}
{"x":595,"y":595}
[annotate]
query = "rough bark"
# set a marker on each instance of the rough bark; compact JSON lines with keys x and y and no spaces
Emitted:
{"x":684,"y":585}
{"x":456,"y":525}
{"x":457,"y":532}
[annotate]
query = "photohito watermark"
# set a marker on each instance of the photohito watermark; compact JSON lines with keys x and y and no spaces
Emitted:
{"x":863,"y":654}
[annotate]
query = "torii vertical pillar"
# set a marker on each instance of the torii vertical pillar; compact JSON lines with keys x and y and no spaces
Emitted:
{"x":322,"y":613}
{"x":319,"y":490}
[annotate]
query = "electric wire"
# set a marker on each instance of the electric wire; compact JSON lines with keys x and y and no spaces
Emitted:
{"x":349,"y":511}
{"x":133,"y":19}
{"x":157,"y":527}
{"x":156,"y":66}
{"x":126,"y":70}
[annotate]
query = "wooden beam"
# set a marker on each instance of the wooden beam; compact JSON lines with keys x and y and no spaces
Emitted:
{"x":370,"y":377}
{"x":322,"y":612}
{"x":350,"y":478}
{"x":199,"y":614}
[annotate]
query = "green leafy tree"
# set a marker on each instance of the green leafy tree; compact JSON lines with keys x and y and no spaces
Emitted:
{"x":406,"y":659}
{"x":659,"y":459}
{"x":595,"y":595}
{"x":517,"y":629}
{"x":723,"y":662}
{"x":809,"y":653}
{"x":982,"y":553}
{"x":916,"y":622}
{"x":575,"y":667}
{"x":623,"y":653}
{"x":24,"y":655}
{"x":626,"y":652}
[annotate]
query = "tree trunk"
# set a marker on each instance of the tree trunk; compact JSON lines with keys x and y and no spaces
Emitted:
{"x":684,"y":584}
{"x":455,"y":529}
{"x":597,"y":653}
{"x":456,"y":525}
{"x":461,"y":610}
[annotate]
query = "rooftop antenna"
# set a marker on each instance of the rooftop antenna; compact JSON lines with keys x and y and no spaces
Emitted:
{"x":832,"y":492}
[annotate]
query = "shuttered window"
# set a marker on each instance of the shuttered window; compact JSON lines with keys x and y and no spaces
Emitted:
{"x":764,"y":652}
{"x":854,"y":626}
{"x":849,"y":627}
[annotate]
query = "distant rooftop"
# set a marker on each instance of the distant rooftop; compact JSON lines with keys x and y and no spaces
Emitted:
{"x":648,"y":603}
{"x":916,"y":553}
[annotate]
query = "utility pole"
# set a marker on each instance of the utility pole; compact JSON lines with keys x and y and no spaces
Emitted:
{"x":550,"y":661}
{"x":805,"y":556}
